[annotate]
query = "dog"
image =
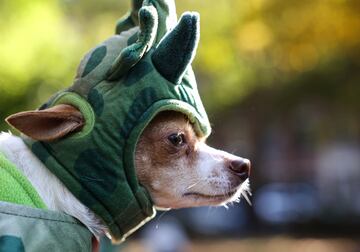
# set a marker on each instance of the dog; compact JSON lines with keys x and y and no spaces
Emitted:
{"x":173,"y":165}
{"x":185,"y":171}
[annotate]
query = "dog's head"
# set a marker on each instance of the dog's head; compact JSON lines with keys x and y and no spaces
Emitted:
{"x":87,"y":134}
{"x":180,"y":170}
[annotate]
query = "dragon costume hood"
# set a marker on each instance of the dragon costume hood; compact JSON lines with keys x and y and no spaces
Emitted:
{"x":120,"y":86}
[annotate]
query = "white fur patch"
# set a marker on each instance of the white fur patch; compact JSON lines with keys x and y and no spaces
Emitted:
{"x":54,"y":194}
{"x":212,"y":175}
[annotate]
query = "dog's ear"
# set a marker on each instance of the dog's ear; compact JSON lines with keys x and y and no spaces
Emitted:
{"x":48,"y":124}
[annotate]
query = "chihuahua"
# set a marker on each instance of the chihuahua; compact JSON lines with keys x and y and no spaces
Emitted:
{"x":185,"y":171}
{"x":172,"y":160}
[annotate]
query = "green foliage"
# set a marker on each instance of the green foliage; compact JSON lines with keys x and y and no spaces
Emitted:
{"x":37,"y":51}
{"x":245,"y":46}
{"x":249,"y":45}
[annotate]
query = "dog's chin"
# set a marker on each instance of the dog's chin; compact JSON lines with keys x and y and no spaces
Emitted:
{"x":194,"y":199}
{"x":198,"y":199}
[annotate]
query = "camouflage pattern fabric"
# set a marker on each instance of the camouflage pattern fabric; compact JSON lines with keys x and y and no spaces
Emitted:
{"x":120,"y":86}
{"x":25,"y":228}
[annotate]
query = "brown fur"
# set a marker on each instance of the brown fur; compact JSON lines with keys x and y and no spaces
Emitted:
{"x":155,"y":151}
{"x":169,"y":172}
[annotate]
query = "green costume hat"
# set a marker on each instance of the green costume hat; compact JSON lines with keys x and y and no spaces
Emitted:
{"x":120,"y":86}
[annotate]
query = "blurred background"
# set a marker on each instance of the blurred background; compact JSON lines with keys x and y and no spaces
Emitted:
{"x":281,"y":84}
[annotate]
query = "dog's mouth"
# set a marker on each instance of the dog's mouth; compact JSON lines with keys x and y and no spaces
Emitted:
{"x":243,"y":191}
{"x":207,"y":196}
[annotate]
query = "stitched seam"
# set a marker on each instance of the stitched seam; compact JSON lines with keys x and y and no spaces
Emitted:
{"x":40,"y":218}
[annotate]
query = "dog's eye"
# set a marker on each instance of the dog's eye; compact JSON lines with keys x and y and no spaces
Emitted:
{"x":177,"y":139}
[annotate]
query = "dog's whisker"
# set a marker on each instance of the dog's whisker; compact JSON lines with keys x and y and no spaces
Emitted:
{"x":158,"y":219}
{"x":245,"y":191}
{"x":247,"y":198}
{"x":191,"y":186}
{"x":233,"y":151}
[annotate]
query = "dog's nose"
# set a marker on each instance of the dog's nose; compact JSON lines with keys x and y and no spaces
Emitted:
{"x":241,"y":167}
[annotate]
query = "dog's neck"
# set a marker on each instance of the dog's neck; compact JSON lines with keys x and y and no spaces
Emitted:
{"x":54,"y":194}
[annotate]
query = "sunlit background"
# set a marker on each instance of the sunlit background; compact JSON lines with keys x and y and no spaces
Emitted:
{"x":281,"y":84}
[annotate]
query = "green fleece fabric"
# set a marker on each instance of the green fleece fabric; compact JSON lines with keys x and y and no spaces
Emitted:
{"x":15,"y":187}
{"x":120,"y":86}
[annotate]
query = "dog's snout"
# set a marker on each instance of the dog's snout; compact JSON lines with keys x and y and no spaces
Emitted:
{"x":241,"y":167}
